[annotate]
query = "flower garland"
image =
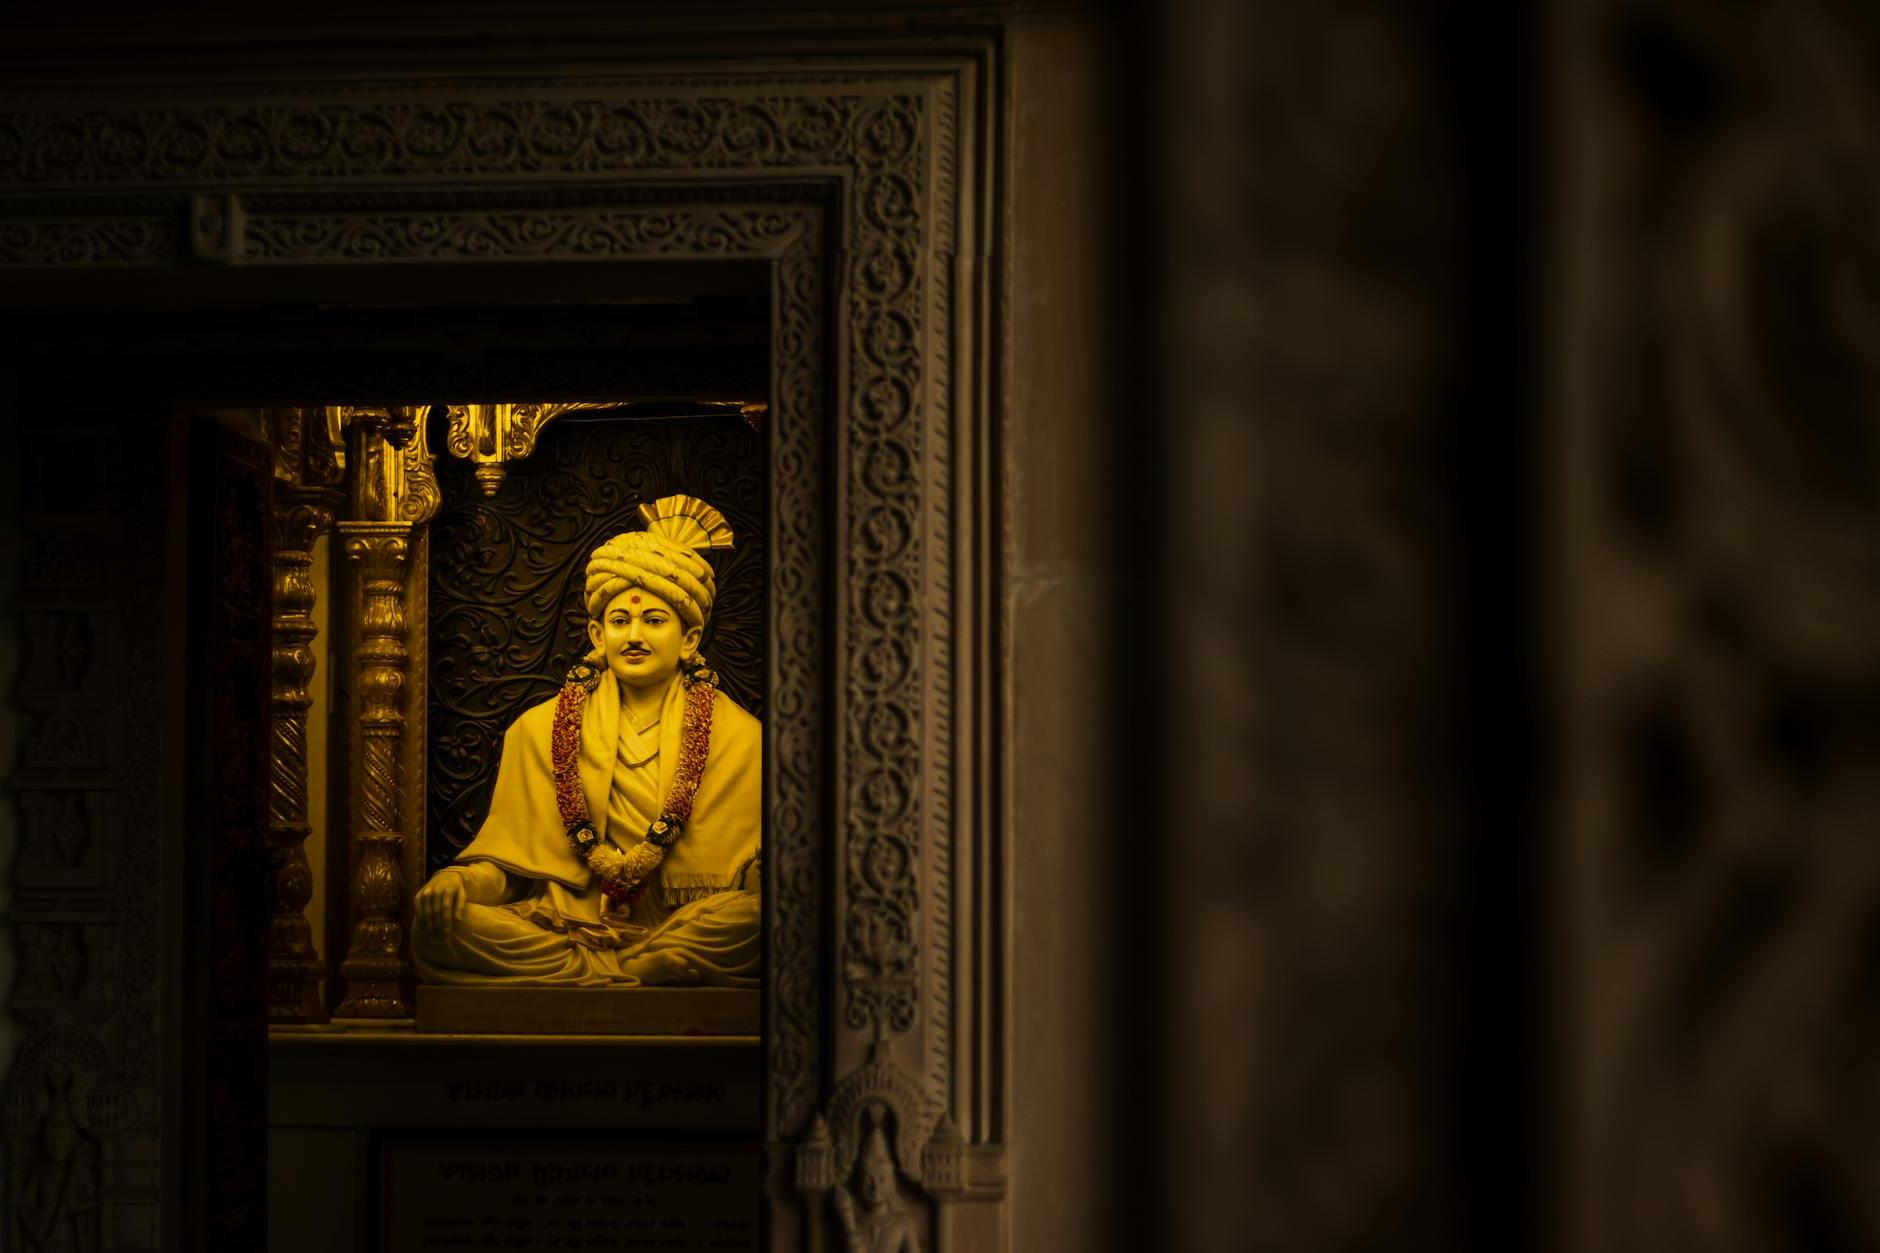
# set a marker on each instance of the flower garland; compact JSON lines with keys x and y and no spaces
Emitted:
{"x":623,"y":875}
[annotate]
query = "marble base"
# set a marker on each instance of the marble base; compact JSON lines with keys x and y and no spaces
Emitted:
{"x":589,"y":1011}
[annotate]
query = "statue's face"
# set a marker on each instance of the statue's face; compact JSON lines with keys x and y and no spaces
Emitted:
{"x":877,"y":1181}
{"x":642,"y":639}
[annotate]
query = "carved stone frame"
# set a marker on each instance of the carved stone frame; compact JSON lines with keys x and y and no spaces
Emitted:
{"x":866,"y":187}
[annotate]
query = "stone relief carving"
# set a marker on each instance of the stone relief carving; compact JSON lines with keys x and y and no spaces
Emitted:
{"x":1725,"y":498}
{"x":78,"y":242}
{"x":58,"y":652}
{"x":514,"y":234}
{"x":879,"y":1127}
{"x":55,"y":829}
{"x":55,"y":1170}
{"x":80,"y":1106}
{"x":873,"y":1218}
{"x":417,"y":137}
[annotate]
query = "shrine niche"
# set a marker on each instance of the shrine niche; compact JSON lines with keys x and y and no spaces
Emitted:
{"x":859,"y":191}
{"x":544,"y":570}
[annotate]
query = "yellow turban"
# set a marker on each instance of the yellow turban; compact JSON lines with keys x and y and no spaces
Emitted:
{"x":664,"y":559}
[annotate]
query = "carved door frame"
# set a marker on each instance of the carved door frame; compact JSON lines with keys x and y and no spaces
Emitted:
{"x":869,"y":185}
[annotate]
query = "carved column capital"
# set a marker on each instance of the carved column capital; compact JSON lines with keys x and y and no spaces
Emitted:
{"x":392,"y":477}
{"x":491,"y":436}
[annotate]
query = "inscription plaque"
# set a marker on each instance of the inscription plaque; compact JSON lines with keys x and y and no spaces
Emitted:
{"x":524,"y":1196}
{"x":427,"y":1083}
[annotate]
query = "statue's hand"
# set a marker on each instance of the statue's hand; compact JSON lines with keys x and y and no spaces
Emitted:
{"x":441,"y":902}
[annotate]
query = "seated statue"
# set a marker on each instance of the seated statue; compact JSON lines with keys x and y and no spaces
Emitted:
{"x":622,"y":841}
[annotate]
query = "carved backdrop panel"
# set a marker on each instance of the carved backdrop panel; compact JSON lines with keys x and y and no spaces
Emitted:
{"x":87,"y":993}
{"x":1721,"y":500}
{"x":507,"y":618}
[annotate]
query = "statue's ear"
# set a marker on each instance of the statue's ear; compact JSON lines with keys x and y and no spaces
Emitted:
{"x":594,"y":634}
{"x":689,"y":646}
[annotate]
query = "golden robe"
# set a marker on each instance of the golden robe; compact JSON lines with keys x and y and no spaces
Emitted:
{"x":534,"y":912}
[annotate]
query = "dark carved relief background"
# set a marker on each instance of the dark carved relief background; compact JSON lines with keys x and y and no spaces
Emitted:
{"x":88,"y":785}
{"x":506,"y":617}
{"x":1725,"y":908}
{"x":228,"y":866}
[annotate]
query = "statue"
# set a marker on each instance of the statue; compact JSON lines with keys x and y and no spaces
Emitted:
{"x":622,"y":842}
{"x":881,"y":1224}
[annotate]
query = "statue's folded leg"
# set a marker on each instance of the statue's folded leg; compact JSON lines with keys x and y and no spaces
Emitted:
{"x":493,"y":944}
{"x":715,"y":941}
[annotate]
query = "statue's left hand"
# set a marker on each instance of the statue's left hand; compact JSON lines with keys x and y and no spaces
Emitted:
{"x":440,"y":902}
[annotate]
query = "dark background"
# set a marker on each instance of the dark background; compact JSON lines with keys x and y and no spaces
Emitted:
{"x":1513,"y":457}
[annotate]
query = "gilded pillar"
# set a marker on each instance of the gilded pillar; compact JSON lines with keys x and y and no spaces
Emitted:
{"x":375,"y":967}
{"x":378,"y":544}
{"x":306,"y":460}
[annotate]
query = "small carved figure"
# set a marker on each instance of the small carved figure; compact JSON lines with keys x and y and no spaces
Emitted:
{"x":622,"y":840}
{"x":57,"y":1206}
{"x":880,"y":1224}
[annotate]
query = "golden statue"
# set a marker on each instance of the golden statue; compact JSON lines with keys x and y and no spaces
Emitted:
{"x":622,"y":841}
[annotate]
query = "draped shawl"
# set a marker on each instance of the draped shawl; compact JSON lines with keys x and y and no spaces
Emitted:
{"x":523,"y":833}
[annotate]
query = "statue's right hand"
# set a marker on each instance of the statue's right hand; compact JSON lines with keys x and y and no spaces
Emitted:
{"x":441,"y":902}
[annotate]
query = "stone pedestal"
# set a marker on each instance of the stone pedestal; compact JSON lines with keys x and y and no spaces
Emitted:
{"x":590,"y":1011}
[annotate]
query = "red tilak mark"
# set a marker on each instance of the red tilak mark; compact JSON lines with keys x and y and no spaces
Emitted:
{"x":633,"y":600}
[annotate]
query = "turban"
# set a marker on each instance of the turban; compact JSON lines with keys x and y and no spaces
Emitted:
{"x":665,"y":559}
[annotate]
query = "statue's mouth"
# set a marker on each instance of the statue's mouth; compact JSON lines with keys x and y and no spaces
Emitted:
{"x":636,"y":654}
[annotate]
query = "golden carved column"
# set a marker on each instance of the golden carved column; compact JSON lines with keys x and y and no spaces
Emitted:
{"x":378,"y":546}
{"x":306,"y":459}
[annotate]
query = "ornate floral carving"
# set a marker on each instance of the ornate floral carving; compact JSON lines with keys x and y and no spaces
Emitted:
{"x":490,"y":135}
{"x":492,"y":436}
{"x":884,"y":805}
{"x":86,"y":242}
{"x":795,"y":805}
{"x":1724,"y":876}
{"x":418,"y":495}
{"x":515,"y":234}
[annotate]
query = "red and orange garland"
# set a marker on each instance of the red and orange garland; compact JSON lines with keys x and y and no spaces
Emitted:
{"x":623,"y":875}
